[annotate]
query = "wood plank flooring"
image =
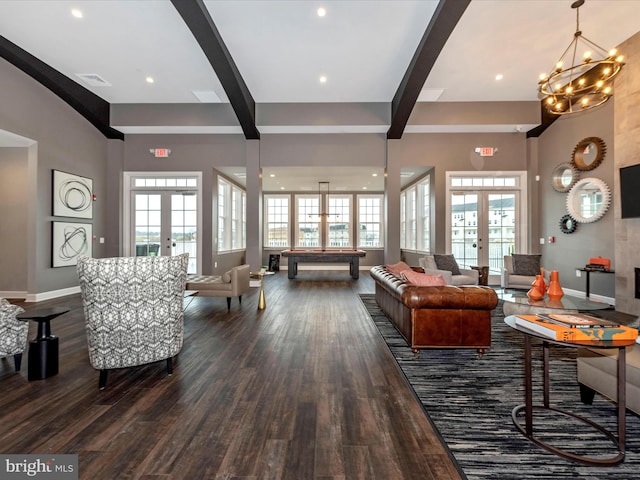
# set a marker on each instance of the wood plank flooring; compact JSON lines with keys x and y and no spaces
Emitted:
{"x":305,"y":389}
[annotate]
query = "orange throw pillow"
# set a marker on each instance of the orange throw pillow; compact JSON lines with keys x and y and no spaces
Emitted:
{"x":398,"y":268}
{"x":423,"y":279}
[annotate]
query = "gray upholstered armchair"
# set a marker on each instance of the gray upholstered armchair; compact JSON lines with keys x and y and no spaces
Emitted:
{"x":449,"y":269}
{"x":133,"y":310}
{"x":13,"y":332}
{"x":519,"y":270}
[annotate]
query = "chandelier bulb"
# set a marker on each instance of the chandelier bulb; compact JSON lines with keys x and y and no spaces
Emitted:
{"x":550,"y":100}
{"x":599,"y":83}
{"x":581,"y":82}
{"x":569,"y":89}
{"x":607,"y":90}
{"x":619,"y":58}
{"x":558,"y":86}
{"x":612,"y":52}
{"x":585,"y":101}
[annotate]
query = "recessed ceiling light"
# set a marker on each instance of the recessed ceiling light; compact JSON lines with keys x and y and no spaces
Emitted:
{"x":76,"y":13}
{"x":364,"y":188}
{"x":272,"y":175}
{"x":281,"y":188}
{"x":374,"y":174}
{"x":499,"y":76}
{"x":149,"y":79}
{"x":321,"y":11}
{"x":323,"y":79}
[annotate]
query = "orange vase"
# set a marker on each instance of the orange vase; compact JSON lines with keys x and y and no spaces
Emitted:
{"x":555,"y":290}
{"x":542,"y":285}
{"x":535,"y":293}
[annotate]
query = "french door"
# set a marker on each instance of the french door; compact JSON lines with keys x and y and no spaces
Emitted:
{"x":164,"y":220}
{"x":486,"y":219}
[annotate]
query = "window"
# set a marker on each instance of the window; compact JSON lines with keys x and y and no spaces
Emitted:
{"x":370,"y":221}
{"x":415,"y":217}
{"x":339,"y":221}
{"x":277,"y":221}
{"x":308,"y":221}
{"x":231,"y":216}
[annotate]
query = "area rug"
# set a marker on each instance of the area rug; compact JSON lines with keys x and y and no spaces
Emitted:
{"x":469,"y":400}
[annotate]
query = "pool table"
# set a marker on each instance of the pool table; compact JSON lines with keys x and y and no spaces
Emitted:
{"x":324,"y":256}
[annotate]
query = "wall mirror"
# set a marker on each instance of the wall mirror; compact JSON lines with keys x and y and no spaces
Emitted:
{"x":588,"y":200}
{"x":564,"y":176}
{"x":588,"y":154}
{"x":568,"y":224}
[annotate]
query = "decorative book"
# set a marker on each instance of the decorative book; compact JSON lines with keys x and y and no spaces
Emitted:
{"x":578,"y":320}
{"x":590,"y":335}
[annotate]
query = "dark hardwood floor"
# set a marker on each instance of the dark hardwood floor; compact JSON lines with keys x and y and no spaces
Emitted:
{"x":305,"y":389}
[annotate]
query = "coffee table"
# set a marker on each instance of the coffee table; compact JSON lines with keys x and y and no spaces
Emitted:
{"x":517,"y":303}
{"x":43,"y":349}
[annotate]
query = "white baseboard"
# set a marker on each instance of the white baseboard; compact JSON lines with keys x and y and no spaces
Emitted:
{"x":593,"y":296}
{"x":40,"y":297}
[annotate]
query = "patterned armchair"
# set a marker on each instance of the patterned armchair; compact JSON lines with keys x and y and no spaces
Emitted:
{"x":133,"y":310}
{"x":13,"y":332}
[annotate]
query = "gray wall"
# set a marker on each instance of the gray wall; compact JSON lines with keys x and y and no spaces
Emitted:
{"x":571,"y":251}
{"x":13,"y":219}
{"x":65,"y":141}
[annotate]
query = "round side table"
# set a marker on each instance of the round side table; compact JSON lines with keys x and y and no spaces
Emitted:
{"x":43,"y":349}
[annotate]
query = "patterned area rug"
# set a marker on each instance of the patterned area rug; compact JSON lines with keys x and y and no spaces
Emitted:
{"x":470,"y":399}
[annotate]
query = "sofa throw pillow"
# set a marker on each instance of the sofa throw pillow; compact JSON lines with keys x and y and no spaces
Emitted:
{"x":447,"y":262}
{"x":226,"y":277}
{"x":423,"y":279}
{"x":398,"y":268}
{"x":526,"y":264}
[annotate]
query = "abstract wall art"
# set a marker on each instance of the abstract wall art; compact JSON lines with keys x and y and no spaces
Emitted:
{"x":72,"y":195}
{"x":70,"y":241}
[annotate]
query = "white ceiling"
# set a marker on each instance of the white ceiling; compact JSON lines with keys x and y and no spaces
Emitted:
{"x":281,"y":48}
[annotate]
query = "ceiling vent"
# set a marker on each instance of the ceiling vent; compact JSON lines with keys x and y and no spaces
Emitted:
{"x":93,"y":79}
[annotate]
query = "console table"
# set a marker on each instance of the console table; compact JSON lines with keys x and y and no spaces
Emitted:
{"x":589,"y":271}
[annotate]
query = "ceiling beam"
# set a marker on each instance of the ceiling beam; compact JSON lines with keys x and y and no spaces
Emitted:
{"x":443,"y":21}
{"x":196,"y":16}
{"x":86,"y":103}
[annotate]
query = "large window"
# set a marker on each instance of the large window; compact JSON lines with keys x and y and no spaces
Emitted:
{"x":339,"y":221}
{"x":415,"y":217}
{"x":277,"y":221}
{"x":231,"y":216}
{"x":370,"y":221}
{"x":307,"y":221}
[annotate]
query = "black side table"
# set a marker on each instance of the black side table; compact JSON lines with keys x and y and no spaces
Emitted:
{"x":43,"y":349}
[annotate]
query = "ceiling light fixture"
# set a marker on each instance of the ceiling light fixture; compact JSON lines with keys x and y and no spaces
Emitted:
{"x":76,"y":13}
{"x":323,"y":79}
{"x":499,"y":76}
{"x":149,"y":79}
{"x":584,"y":85}
{"x":321,"y":11}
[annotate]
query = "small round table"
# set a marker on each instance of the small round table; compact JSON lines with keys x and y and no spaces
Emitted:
{"x":528,"y":407}
{"x":43,"y":349}
{"x":262,"y":303}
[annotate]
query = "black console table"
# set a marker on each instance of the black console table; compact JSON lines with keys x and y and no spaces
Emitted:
{"x":43,"y":349}
{"x":589,"y":271}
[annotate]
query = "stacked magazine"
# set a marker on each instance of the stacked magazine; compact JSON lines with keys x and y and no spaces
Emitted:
{"x":576,"y":327}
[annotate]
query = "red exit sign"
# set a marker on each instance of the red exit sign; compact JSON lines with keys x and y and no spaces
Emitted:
{"x":160,"y":152}
{"x":486,"y":151}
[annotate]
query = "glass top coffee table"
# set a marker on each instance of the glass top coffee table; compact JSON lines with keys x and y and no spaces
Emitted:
{"x":517,"y":303}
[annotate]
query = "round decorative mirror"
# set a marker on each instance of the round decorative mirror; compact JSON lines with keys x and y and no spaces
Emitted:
{"x":564,"y":176}
{"x":568,"y":224}
{"x":588,"y":154}
{"x":588,"y":200}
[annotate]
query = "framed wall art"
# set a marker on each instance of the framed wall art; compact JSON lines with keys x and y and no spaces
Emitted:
{"x":70,"y":241}
{"x":72,"y":195}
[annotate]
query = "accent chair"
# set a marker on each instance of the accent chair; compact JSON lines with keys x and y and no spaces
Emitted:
{"x":447,"y":266}
{"x":13,"y":332}
{"x":133,"y":310}
{"x":519,"y":271}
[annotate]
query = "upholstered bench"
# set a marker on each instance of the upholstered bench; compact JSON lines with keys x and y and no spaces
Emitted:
{"x":233,"y":283}
{"x":598,"y":372}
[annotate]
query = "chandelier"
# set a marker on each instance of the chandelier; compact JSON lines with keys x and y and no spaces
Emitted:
{"x":584,"y":85}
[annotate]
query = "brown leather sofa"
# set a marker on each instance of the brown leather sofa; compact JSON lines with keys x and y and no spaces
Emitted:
{"x":436,"y":317}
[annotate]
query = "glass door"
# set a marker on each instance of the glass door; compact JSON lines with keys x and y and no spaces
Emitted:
{"x":165,"y":223}
{"x":483,"y":228}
